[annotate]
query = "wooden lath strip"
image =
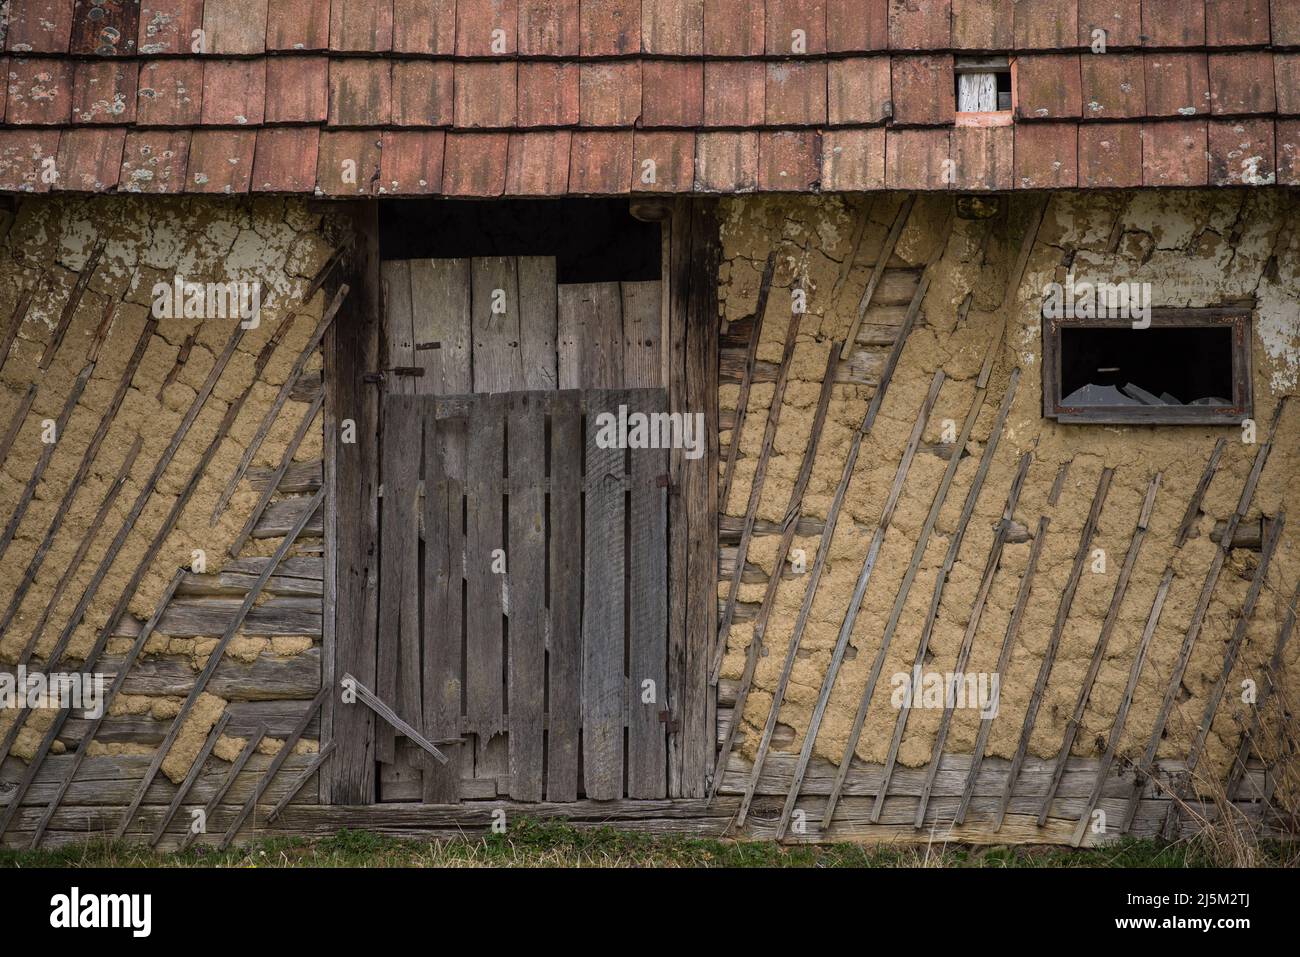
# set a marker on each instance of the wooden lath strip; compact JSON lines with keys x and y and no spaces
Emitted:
{"x":945,"y":569}
{"x":755,"y":494}
{"x":909,"y":576}
{"x":280,"y":399}
{"x":297,"y":783}
{"x":16,"y":321}
{"x":195,"y":770}
{"x":828,"y":532}
{"x":1198,"y":496}
{"x":850,"y":615}
{"x":249,"y":749}
{"x":1054,"y":642}
{"x":1103,"y":641}
{"x":991,"y":566}
{"x":1004,"y":658}
{"x":214,"y":659}
{"x":747,"y":379}
{"x":20,"y":416}
{"x":1026,"y":248}
{"x":382,"y":710}
{"x":886,"y":253}
{"x":70,"y":307}
{"x":788,"y":526}
{"x":1145,"y":768}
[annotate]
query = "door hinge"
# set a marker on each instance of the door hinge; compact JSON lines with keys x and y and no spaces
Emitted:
{"x":414,"y":371}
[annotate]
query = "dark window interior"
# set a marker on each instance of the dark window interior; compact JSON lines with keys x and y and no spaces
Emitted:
{"x":1135,"y":367}
{"x":593,"y":240}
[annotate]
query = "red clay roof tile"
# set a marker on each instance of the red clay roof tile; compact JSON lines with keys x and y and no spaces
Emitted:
{"x":361,"y":25}
{"x":1241,"y":83}
{"x":411,"y":162}
{"x":39,"y":91}
{"x":795,"y":27}
{"x":924,"y":90}
{"x":154,"y":161}
{"x":300,"y":89}
{"x":1178,"y":84}
{"x":983,"y":157}
{"x":167,"y":26}
{"x":608,"y":27}
{"x":1046,"y":24}
{"x":1237,"y":23}
{"x":600,"y":162}
{"x":672,"y":27}
{"x":917,"y":159}
{"x":853,"y":159}
{"x":423,"y":93}
{"x":234,"y":26}
{"x":234,"y":92}
{"x":663,"y":162}
{"x":672,"y":93}
{"x":1286,"y":72}
{"x":474,"y":164}
{"x":1174,"y":153}
{"x":170,"y":93}
{"x":609,"y":93}
{"x":347,"y":163}
{"x":4,"y":84}
{"x":1286,"y":23}
{"x":789,"y":161}
{"x":1113,"y":85}
{"x":361,"y":92}
{"x":537,"y":163}
{"x":858,"y":90}
{"x":796,"y":93}
{"x":1110,"y":155}
{"x":734,"y":93}
{"x":1047,"y":156}
{"x":547,"y":27}
{"x":424,"y":26}
{"x":90,"y":159}
{"x":28,"y":160}
{"x":726,"y":162}
{"x":221,"y":161}
{"x":1288,"y":152}
{"x":734,"y":28}
{"x":1049,"y":87}
{"x":39,"y":26}
{"x":292,"y":26}
{"x":983,"y":24}
{"x":920,"y":24}
{"x":548,"y":94}
{"x":1120,"y":19}
{"x":485,"y":94}
{"x":105,"y":27}
{"x":1242,"y":152}
{"x":1173,"y":23}
{"x":285,"y":159}
{"x":857,"y":26}
{"x":103,"y":91}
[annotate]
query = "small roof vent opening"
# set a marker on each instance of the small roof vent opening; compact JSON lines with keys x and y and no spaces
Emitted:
{"x":983,"y":90}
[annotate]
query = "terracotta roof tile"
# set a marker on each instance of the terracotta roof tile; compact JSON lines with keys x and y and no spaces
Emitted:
{"x":663,"y":162}
{"x":859,"y":90}
{"x":293,"y":26}
{"x":475,"y":164}
{"x":90,"y":159}
{"x":1110,"y":155}
{"x":39,"y":26}
{"x":1288,"y":152}
{"x":857,"y":26}
{"x":1242,"y":152}
{"x":672,"y":93}
{"x":608,"y":27}
{"x":4,"y":85}
{"x":235,"y":26}
{"x":920,"y":24}
{"x":600,"y":162}
{"x":221,"y":161}
{"x":796,"y":93}
{"x":1173,"y":23}
{"x":917,"y":159}
{"x":537,"y":164}
{"x":548,"y":94}
{"x":1120,"y":19}
{"x":485,"y":94}
{"x":726,"y":162}
{"x":1047,"y":156}
{"x":609,"y":93}
{"x":234,"y":92}
{"x":1174,"y":153}
{"x":547,"y":27}
{"x":1241,"y":83}
{"x":103,"y":91}
{"x":734,"y":93}
{"x":347,"y":162}
{"x":789,"y":161}
{"x":170,"y":93}
{"x":1049,"y":87}
{"x":486,"y":27}
{"x":423,"y":93}
{"x":27,"y":160}
{"x":411,"y":162}
{"x":1286,"y":72}
{"x":167,"y":26}
{"x":1237,"y":23}
{"x":39,"y":91}
{"x":795,"y":27}
{"x":1286,"y":23}
{"x":361,"y":92}
{"x":1113,"y":86}
{"x":983,"y":157}
{"x":424,"y":26}
{"x":285,"y":159}
{"x":105,"y":27}
{"x":154,"y":161}
{"x":1046,"y":24}
{"x":734,"y":27}
{"x":1178,"y":84}
{"x":924,"y":90}
{"x":300,"y":87}
{"x":853,"y":159}
{"x":983,"y":24}
{"x":672,"y":27}
{"x":361,"y":25}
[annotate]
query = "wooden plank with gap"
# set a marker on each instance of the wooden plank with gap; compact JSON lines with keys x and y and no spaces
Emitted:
{"x":564,"y":646}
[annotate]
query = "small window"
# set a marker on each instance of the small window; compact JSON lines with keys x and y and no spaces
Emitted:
{"x":1189,"y":367}
{"x":983,"y":91}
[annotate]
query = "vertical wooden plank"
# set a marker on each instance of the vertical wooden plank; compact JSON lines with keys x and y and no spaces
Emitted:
{"x":641,"y":334}
{"x":483,"y":609}
{"x":603,"y":681}
{"x":399,"y":345}
{"x":526,"y":568}
{"x":498,"y":365}
{"x":564,"y":647}
{"x":439,"y":292}
{"x":590,"y":336}
{"x":537,"y":321}
{"x":647,"y":767}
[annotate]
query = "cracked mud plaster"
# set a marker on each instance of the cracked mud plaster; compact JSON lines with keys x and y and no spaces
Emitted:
{"x":1196,"y":248}
{"x":46,"y":242}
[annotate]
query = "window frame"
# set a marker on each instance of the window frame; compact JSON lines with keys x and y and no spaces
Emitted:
{"x":1237,"y":317}
{"x":999,"y":63}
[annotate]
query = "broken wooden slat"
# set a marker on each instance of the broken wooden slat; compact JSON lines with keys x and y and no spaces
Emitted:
{"x":195,"y":770}
{"x":377,"y":705}
{"x":70,"y":307}
{"x":1198,"y":496}
{"x":886,"y":253}
{"x":249,"y":749}
{"x":746,"y":379}
{"x":1054,"y":496}
{"x":20,"y":415}
{"x":565,"y":640}
{"x":16,"y":320}
{"x":303,"y":777}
